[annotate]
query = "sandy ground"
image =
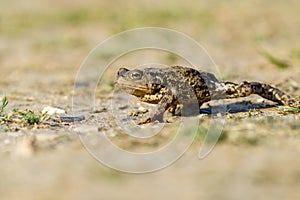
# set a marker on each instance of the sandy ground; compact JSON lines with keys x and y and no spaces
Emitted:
{"x":42,"y":47}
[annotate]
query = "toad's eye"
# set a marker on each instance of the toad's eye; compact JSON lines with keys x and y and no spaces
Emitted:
{"x":136,"y":74}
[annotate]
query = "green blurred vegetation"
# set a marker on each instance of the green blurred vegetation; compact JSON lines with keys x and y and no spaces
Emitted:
{"x":56,"y":42}
{"x":3,"y":104}
{"x":116,"y":18}
{"x":280,"y":63}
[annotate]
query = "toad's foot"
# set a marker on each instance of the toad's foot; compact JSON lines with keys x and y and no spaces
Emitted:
{"x":156,"y":117}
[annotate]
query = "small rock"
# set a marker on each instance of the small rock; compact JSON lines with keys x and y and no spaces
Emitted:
{"x":72,"y":119}
{"x":142,"y":109}
{"x":51,"y":110}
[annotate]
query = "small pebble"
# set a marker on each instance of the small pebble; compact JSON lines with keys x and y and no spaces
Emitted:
{"x":142,"y":109}
{"x":51,"y":110}
{"x":72,"y":119}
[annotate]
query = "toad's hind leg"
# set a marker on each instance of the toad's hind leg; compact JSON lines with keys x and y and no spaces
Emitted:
{"x":244,"y":89}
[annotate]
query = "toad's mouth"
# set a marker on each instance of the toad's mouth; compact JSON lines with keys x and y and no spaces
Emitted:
{"x":136,"y":90}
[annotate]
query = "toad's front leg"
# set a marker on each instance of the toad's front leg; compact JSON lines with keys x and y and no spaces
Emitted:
{"x":165,"y":102}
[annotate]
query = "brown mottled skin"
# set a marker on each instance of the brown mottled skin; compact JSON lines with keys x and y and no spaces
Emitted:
{"x":175,"y":87}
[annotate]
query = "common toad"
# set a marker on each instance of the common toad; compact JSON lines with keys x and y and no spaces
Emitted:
{"x":173,"y":88}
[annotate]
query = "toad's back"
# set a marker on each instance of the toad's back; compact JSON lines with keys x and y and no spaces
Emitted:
{"x":188,"y":82}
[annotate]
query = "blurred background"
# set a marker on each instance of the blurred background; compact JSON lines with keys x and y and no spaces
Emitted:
{"x":43,"y":43}
{"x":55,"y":35}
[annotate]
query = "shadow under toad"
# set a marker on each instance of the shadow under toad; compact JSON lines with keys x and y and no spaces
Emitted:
{"x":236,"y":107}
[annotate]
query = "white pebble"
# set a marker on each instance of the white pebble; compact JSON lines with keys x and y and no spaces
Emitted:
{"x":51,"y":111}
